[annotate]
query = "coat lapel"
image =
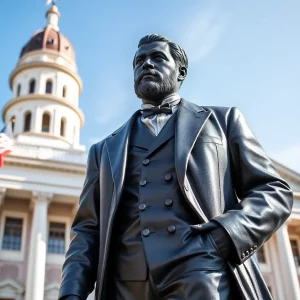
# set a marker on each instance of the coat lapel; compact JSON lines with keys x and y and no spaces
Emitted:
{"x":191,"y":119}
{"x":117,"y":146}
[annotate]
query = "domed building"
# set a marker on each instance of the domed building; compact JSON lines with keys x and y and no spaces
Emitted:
{"x":42,"y":178}
{"x":46,"y":88}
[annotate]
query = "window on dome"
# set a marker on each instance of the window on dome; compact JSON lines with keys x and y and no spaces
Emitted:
{"x":13,"y":121}
{"x":18,"y":90}
{"x":27,"y":121}
{"x":50,"y":42}
{"x":46,"y":122}
{"x":49,"y":86}
{"x":31,"y":86}
{"x":63,"y":127}
{"x":64,"y":91}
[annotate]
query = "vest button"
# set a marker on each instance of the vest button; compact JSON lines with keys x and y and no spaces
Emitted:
{"x":142,"y":206}
{"x":143,"y":182}
{"x":171,"y":229}
{"x":146,"y":162}
{"x":168,"y":177}
{"x":168,"y":202}
{"x":146,"y":232}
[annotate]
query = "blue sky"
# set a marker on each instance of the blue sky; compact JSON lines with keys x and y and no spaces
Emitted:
{"x":241,"y":53}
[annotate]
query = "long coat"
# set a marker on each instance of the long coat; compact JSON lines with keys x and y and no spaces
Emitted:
{"x":224,"y":175}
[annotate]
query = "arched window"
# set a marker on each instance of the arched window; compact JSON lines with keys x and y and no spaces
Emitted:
{"x":18,"y":90}
{"x":49,"y":86}
{"x":31,"y":86}
{"x":64,"y":91}
{"x":13,"y":121}
{"x":46,"y":122}
{"x":63,"y":127}
{"x":27,"y":121}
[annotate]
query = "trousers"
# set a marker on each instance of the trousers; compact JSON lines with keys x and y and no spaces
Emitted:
{"x":201,"y":277}
{"x":194,"y":285}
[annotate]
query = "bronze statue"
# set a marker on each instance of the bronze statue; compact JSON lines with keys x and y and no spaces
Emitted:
{"x":176,"y":201}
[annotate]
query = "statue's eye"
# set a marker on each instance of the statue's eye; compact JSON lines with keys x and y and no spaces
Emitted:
{"x":138,"y":61}
{"x":158,"y":57}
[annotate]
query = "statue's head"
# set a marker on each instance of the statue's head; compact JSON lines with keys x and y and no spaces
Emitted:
{"x":160,"y":67}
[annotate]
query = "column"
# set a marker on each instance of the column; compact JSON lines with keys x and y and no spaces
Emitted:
{"x":37,"y":120}
{"x":36,"y":267}
{"x":55,"y":123}
{"x":288,"y":268}
{"x":277,"y":289}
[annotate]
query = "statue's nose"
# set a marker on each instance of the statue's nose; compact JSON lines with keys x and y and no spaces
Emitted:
{"x":148,"y":64}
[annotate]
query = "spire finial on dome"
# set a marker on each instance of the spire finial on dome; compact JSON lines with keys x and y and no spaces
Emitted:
{"x":52,"y":15}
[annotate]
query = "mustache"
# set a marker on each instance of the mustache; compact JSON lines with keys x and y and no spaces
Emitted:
{"x":151,"y":72}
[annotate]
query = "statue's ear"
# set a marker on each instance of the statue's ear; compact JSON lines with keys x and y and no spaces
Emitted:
{"x":182,"y":73}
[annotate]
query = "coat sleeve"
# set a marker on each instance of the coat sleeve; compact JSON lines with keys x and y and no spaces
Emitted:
{"x":265,"y":198}
{"x":79,"y":270}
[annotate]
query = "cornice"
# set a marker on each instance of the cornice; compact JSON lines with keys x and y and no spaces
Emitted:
{"x":44,"y":165}
{"x":38,"y":97}
{"x":44,"y":64}
{"x":287,"y":173}
{"x":44,"y":135}
{"x":47,"y":52}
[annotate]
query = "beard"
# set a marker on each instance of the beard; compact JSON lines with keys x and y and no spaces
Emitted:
{"x":155,"y":91}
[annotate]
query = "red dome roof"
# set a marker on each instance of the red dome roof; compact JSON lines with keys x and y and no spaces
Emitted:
{"x":50,"y":39}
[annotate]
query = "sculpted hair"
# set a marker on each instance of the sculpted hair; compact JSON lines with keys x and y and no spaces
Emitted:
{"x":176,"y":51}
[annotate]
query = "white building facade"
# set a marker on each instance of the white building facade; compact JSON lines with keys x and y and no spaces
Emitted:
{"x":41,"y":181}
{"x":42,"y":178}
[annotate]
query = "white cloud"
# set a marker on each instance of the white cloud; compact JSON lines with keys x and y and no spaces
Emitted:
{"x":202,"y":31}
{"x":288,"y":156}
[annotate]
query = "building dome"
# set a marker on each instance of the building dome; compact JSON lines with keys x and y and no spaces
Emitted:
{"x":50,"y":38}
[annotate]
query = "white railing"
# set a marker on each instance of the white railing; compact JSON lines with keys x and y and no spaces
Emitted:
{"x":48,"y":153}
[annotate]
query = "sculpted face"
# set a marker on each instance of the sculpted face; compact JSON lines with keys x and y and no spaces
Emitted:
{"x":155,"y":73}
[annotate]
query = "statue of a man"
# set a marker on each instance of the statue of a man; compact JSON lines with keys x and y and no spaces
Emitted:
{"x":176,"y":201}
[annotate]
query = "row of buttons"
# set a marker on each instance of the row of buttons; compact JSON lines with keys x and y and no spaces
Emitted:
{"x":247,"y":253}
{"x":168,"y":203}
{"x":168,"y":177}
{"x":171,"y":229}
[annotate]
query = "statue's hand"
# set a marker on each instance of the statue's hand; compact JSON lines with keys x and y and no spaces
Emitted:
{"x":206,"y":227}
{"x":221,"y":238}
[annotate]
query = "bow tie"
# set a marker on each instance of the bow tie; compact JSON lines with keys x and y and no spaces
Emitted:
{"x":161,"y":109}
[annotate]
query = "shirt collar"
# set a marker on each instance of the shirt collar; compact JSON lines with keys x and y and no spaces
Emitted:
{"x":172,"y":100}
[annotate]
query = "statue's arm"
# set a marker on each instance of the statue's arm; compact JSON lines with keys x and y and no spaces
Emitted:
{"x":266,"y":199}
{"x":79,"y":270}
